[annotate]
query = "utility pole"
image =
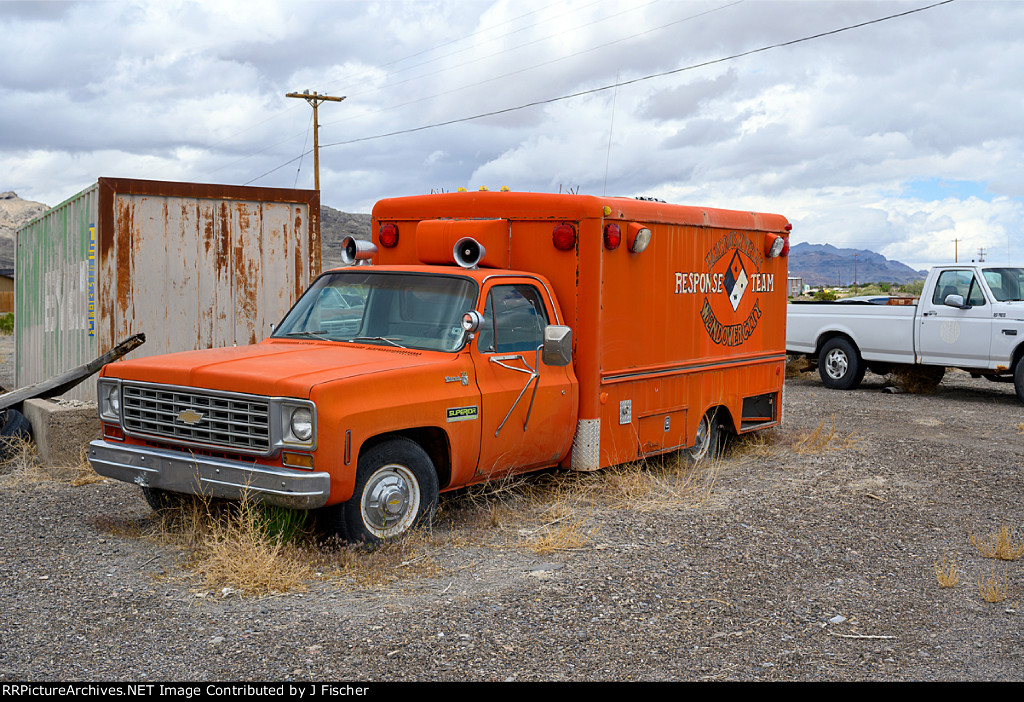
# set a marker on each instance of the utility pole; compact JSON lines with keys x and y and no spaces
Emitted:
{"x":855,"y":274}
{"x":955,"y":260}
{"x":981,"y":255}
{"x":314,"y":100}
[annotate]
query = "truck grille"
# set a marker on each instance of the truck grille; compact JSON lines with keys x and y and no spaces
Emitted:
{"x":238,"y":422}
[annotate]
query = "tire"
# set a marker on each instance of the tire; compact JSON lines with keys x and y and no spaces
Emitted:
{"x":14,"y":430}
{"x":1018,"y":380}
{"x":163,"y":500}
{"x":396,"y":489}
{"x":840,"y":365}
{"x":705,"y":445}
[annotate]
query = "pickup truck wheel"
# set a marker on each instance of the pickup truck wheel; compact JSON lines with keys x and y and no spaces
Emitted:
{"x":1018,"y":380}
{"x":840,"y":365}
{"x":396,"y":489}
{"x":705,"y":443}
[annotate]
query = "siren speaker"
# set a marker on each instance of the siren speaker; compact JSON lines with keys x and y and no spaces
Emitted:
{"x":468,"y":252}
{"x":354,"y":250}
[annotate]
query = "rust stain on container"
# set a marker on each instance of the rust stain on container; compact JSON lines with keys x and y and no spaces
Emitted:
{"x":191,"y":265}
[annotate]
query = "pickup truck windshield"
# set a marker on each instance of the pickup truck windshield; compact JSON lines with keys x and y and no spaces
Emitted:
{"x":390,"y":309}
{"x":1006,"y":284}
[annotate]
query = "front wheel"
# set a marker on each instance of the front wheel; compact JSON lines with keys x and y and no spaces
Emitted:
{"x":396,"y":489}
{"x":840,"y":365}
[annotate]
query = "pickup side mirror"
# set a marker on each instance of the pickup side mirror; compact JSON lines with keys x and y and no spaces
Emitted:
{"x":956,"y":301}
{"x":557,"y":349}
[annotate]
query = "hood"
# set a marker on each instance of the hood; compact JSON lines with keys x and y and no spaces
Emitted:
{"x":275,"y":367}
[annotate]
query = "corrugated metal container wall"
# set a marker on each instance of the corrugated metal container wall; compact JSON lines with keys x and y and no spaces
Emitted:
{"x":192,"y":266}
{"x":54,"y":286}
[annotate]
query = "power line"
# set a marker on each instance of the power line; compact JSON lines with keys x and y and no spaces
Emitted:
{"x":618,"y":84}
{"x":651,"y":76}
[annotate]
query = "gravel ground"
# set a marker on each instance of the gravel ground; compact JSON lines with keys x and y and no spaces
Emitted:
{"x":799,"y":566}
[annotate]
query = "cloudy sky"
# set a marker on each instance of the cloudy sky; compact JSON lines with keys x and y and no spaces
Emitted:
{"x":902,"y":135}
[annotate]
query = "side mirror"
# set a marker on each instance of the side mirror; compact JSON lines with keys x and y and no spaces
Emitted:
{"x":557,"y":349}
{"x":955,"y":301}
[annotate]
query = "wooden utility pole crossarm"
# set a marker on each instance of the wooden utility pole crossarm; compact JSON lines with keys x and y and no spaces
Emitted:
{"x":314,"y":99}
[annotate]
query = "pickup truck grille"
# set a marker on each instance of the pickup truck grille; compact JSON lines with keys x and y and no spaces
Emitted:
{"x":238,"y":422}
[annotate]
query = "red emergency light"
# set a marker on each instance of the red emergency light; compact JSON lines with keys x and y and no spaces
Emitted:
{"x":564,"y":237}
{"x":388,"y":235}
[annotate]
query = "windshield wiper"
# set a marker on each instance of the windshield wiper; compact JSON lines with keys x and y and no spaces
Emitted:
{"x":378,"y":338}
{"x":318,"y":334}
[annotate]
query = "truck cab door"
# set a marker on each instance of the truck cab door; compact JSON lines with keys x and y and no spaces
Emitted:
{"x":951,"y":336}
{"x":528,"y":409}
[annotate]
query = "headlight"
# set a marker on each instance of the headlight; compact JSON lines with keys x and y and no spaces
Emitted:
{"x":109,"y":393}
{"x":302,"y":424}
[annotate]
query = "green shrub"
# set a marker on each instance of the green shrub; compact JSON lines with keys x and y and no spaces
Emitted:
{"x":825,"y":296}
{"x":7,"y":323}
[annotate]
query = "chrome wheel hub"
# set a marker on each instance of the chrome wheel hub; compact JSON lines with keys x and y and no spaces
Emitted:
{"x":836,"y":364}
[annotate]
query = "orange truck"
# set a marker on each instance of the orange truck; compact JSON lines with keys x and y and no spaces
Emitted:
{"x":478,"y":334}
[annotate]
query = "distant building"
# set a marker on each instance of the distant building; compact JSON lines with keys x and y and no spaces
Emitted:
{"x":796,"y":287}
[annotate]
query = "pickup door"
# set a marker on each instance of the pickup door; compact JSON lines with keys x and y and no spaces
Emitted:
{"x":528,"y":409}
{"x":951,"y":336}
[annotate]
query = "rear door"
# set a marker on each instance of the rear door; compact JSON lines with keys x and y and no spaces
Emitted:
{"x":528,"y":409}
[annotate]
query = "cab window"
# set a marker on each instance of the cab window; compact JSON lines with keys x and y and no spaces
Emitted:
{"x":961,"y":283}
{"x":514,"y":320}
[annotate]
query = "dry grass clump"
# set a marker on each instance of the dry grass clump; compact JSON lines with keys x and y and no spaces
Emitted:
{"x":991,"y":590}
{"x":20,"y":463}
{"x":797,"y":366}
{"x":948,"y":575}
{"x":240,"y":545}
{"x":565,"y":532}
{"x":999,"y":545}
{"x":249,"y":548}
{"x":917,"y":379}
{"x":824,"y":439}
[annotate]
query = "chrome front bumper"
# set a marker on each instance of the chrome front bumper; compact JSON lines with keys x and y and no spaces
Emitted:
{"x":178,"y":471}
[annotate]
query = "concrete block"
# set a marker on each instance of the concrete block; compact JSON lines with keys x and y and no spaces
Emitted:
{"x":61,"y":429}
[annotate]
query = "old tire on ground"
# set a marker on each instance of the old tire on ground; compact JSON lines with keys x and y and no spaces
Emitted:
{"x":14,"y":429}
{"x":840,"y":365}
{"x":705,"y":443}
{"x":396,"y":489}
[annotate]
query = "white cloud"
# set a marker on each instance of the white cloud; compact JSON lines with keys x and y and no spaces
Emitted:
{"x":833,"y":132}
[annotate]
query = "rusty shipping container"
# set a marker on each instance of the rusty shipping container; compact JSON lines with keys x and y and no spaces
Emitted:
{"x":191,"y":265}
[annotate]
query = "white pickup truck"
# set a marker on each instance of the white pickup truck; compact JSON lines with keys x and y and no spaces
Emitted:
{"x":969,"y":317}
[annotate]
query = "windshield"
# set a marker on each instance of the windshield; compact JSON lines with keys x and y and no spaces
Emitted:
{"x":1006,"y":284}
{"x":391,"y":309}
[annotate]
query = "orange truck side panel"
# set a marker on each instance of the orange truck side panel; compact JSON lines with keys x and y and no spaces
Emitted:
{"x":695,"y":321}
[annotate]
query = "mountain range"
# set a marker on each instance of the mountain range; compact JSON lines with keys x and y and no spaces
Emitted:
{"x":817,"y":264}
{"x":824,"y":264}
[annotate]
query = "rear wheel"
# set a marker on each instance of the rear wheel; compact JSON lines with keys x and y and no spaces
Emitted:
{"x":1018,"y":380}
{"x":840,"y":365}
{"x":396,"y":489}
{"x":705,"y":443}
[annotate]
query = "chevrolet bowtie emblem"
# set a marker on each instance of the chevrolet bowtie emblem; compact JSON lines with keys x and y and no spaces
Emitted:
{"x":190,"y":417}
